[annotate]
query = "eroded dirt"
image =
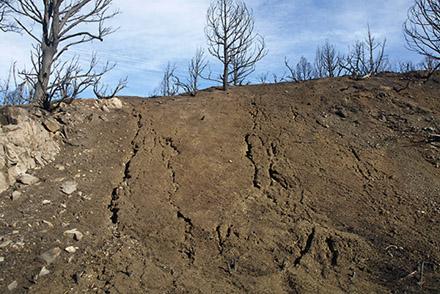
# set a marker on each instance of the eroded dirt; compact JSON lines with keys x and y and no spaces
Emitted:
{"x":327,"y":186}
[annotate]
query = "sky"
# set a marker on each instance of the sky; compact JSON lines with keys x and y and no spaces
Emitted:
{"x":152,"y":33}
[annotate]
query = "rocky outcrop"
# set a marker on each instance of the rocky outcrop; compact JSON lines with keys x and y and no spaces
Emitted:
{"x":26,"y":142}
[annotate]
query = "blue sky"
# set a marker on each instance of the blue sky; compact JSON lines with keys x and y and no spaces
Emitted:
{"x":153,"y":33}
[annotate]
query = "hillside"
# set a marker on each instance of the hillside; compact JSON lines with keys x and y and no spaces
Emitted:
{"x":327,"y":186}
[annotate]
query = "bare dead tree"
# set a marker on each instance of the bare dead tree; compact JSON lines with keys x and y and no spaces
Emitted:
{"x":291,"y":76}
{"x":430,"y":64}
{"x":56,"y":26}
{"x":231,"y":40}
{"x":196,"y":68}
{"x":327,"y":61}
{"x":422,"y":29}
{"x":105,"y":92}
{"x":377,"y":60}
{"x":243,"y":63}
{"x":366,"y":58}
{"x":169,"y":85}
{"x":279,"y":78}
{"x":5,"y":23}
{"x":3,"y":14}
{"x":14,"y":90}
{"x":69,"y":79}
{"x":303,"y":70}
{"x":406,"y":67}
{"x":263,"y":78}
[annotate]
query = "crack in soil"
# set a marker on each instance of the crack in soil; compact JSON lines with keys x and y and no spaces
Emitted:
{"x":331,"y":243}
{"x":170,"y":151}
{"x":307,"y":247}
{"x":113,"y":206}
{"x":250,"y":156}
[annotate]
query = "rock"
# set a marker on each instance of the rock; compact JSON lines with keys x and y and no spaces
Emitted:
{"x":27,"y":179}
{"x":4,"y":184}
{"x":60,"y":167}
{"x":71,"y":249}
{"x":11,"y":128}
{"x":51,"y":255}
{"x":2,"y":259}
{"x":429,"y":129}
{"x":52,"y":125}
{"x":44,"y":272}
{"x":434,"y":138}
{"x":47,"y":223}
{"x":46,"y":202}
{"x":69,"y":187}
{"x":25,"y":143}
{"x":12,"y":286}
{"x":75,"y":234}
{"x":341,"y":113}
{"x":5,"y":243}
{"x":105,"y":108}
{"x":113,"y":103}
{"x":15,"y":195}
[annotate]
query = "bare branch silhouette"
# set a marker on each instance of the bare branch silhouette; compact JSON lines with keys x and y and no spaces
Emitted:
{"x":231,"y":39}
{"x":422,"y":28}
{"x":55,"y":27}
{"x":366,"y":58}
{"x":196,"y":68}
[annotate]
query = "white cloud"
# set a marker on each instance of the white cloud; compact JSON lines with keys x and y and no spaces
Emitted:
{"x":154,"y":32}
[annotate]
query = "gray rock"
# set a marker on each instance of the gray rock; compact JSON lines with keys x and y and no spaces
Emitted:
{"x":27,"y":179}
{"x":69,"y":187}
{"x":71,"y":249}
{"x":105,"y":109}
{"x":4,"y":185}
{"x":2,"y":259}
{"x":5,"y":244}
{"x":341,"y":113}
{"x":44,"y":272}
{"x":60,"y":167}
{"x":51,"y":125}
{"x":75,"y":234}
{"x":16,"y":195}
{"x":51,"y":255}
{"x":12,"y":286}
{"x":25,"y":144}
{"x":114,"y":103}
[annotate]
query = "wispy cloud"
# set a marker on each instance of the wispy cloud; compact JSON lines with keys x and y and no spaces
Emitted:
{"x":152,"y":33}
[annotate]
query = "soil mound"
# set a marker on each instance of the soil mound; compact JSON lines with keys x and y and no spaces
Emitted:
{"x":328,"y":186}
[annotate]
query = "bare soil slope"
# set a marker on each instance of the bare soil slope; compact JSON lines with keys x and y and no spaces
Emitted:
{"x":329,"y":186}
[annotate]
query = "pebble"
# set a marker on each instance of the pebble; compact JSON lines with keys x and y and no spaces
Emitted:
{"x":5,"y":243}
{"x":51,"y":125}
{"x":47,"y":223}
{"x":50,"y":255}
{"x":44,"y":272}
{"x":46,"y":202}
{"x":2,"y":259}
{"x":71,"y":249}
{"x":60,"y":167}
{"x":15,"y":195}
{"x":75,"y":234}
{"x":69,"y":187}
{"x":105,"y":109}
{"x":27,"y":179}
{"x":12,"y":286}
